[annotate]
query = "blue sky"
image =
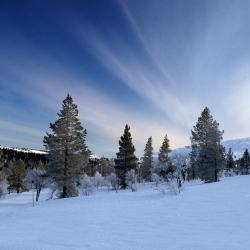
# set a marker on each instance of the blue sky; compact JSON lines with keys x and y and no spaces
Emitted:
{"x":152,"y":64}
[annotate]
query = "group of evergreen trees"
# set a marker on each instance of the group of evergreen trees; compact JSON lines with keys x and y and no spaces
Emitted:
{"x":239,"y":166}
{"x":13,"y":174}
{"x":207,"y":159}
{"x":67,"y":164}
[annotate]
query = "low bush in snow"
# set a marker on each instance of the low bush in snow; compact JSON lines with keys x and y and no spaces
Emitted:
{"x":156,"y":179}
{"x":112,"y":180}
{"x":131,"y":180}
{"x":98,"y":180}
{"x":87,"y":185}
{"x":36,"y":179}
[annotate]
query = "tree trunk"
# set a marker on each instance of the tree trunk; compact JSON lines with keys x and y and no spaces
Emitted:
{"x":215,"y":175}
{"x":38,"y":191}
{"x":64,"y":193}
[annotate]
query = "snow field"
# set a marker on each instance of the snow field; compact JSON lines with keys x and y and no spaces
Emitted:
{"x":203,"y":216}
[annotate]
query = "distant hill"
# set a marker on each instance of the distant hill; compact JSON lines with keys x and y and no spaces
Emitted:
{"x":33,"y":151}
{"x":24,"y":150}
{"x":238,"y":147}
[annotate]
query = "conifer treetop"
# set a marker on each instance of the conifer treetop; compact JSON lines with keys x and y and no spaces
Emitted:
{"x":164,"y":150}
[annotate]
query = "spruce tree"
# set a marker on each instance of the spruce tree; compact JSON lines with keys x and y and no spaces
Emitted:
{"x":125,"y":158}
{"x":245,"y":163}
{"x":164,"y":151}
{"x":230,"y":163}
{"x":67,"y":150}
{"x":147,"y":161}
{"x":207,"y":154}
{"x":164,"y":162}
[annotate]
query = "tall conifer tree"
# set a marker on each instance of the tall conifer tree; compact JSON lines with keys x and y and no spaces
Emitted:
{"x":208,"y":155}
{"x":147,"y":161}
{"x":230,"y":165}
{"x":164,"y":151}
{"x":67,"y":150}
{"x":125,"y":158}
{"x":164,"y":161}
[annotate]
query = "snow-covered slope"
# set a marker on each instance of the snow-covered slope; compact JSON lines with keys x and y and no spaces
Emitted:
{"x":202,"y":217}
{"x":24,"y":150}
{"x":238,"y":147}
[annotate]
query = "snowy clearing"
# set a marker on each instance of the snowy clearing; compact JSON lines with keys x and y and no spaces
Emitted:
{"x":203,"y":216}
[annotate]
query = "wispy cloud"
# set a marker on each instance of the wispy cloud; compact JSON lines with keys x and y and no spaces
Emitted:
{"x":96,"y":109}
{"x":155,"y":59}
{"x":20,"y":135}
{"x":145,"y":81}
{"x":236,"y":103}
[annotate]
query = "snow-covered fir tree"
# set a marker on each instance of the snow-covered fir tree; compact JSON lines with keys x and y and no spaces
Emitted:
{"x":147,"y":161}
{"x":208,"y":155}
{"x":125,"y":158}
{"x":67,"y":150}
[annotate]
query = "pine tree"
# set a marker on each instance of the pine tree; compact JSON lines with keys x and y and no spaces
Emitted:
{"x":207,"y":154}
{"x":164,"y":151}
{"x":164,"y":162}
{"x":126,"y":159}
{"x":67,"y":150}
{"x":230,"y":163}
{"x":147,"y":161}
{"x":245,"y":163}
{"x":16,"y":177}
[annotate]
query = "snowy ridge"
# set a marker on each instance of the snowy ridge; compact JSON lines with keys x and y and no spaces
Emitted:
{"x":92,"y":156}
{"x":238,"y":146}
{"x":34,"y":151}
{"x":25,"y":150}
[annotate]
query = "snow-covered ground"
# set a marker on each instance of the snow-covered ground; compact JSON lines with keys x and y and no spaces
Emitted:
{"x":203,"y":216}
